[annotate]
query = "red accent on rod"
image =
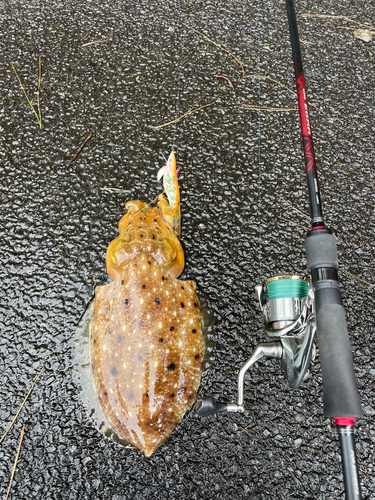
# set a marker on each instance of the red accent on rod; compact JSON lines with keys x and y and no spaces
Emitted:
{"x":344,"y":420}
{"x":303,"y":106}
{"x":318,"y":227}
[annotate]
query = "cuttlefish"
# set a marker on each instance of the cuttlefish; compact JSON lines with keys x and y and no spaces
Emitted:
{"x":146,"y":342}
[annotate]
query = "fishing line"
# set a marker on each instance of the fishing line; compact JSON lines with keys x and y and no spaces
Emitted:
{"x":173,"y":37}
{"x":177,"y":102}
{"x":259,"y":154}
{"x":178,"y":91}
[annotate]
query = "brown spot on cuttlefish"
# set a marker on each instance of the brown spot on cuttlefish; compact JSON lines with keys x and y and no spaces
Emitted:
{"x":147,"y":371}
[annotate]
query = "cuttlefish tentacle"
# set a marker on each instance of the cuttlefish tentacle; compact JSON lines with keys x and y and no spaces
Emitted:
{"x":147,"y":345}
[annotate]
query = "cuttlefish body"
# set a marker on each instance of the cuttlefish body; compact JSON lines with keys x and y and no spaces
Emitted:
{"x":147,"y":345}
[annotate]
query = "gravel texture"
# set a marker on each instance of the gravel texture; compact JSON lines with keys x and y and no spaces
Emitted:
{"x":56,"y":223}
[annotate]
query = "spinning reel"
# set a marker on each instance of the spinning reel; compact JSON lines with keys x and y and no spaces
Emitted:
{"x":288,"y":312}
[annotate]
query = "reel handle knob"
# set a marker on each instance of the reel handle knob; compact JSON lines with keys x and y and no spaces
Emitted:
{"x":209,"y":406}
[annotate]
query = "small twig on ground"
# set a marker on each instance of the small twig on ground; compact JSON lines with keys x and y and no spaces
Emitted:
{"x":295,"y":223}
{"x":308,"y":43}
{"x":115,"y":190}
{"x":278,"y":83}
{"x":265,"y":108}
{"x":37,"y":114}
{"x":78,"y":152}
{"x":294,"y":208}
{"x":351,"y":248}
{"x":243,"y":430}
{"x":20,"y":408}
{"x":38,"y":92}
{"x":345,"y":140}
{"x":359,"y":279}
{"x":193,"y":109}
{"x":302,"y":213}
{"x":325,"y":16}
{"x":365,"y":135}
{"x":15,"y":463}
{"x":220,"y":47}
{"x":102,"y":40}
{"x":225,"y":78}
{"x":298,"y":481}
{"x":304,"y":227}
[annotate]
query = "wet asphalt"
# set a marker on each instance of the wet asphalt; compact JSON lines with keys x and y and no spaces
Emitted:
{"x":146,"y":68}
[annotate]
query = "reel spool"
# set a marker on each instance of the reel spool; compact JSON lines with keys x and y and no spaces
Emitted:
{"x":287,"y":304}
{"x":282,"y":299}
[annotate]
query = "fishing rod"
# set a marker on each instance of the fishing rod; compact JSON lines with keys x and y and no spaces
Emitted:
{"x":295,"y":308}
{"x":340,"y":393}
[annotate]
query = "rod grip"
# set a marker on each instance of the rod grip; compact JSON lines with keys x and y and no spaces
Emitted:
{"x":340,"y":392}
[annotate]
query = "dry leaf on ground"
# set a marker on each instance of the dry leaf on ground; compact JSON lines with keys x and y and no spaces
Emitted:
{"x":363,"y":35}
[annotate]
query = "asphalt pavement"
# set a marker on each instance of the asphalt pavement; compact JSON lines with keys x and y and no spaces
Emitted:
{"x":121,"y":69}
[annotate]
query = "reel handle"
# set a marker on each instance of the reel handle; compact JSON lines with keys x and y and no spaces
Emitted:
{"x":209,"y":406}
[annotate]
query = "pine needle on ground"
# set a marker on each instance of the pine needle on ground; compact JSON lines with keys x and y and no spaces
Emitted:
{"x":295,"y":223}
{"x":265,"y":108}
{"x":20,"y":408}
{"x":326,"y":16}
{"x":278,"y":83}
{"x":38,"y":113}
{"x":15,"y":463}
{"x":302,"y":213}
{"x":102,"y":40}
{"x":294,"y":208}
{"x":193,"y":109}
{"x":220,"y":47}
{"x":359,"y":279}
